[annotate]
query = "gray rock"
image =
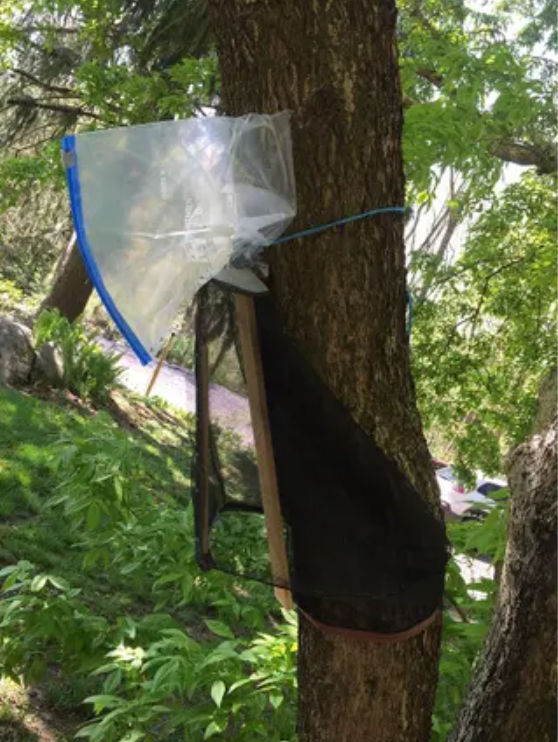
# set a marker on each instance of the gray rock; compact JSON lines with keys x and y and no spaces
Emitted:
{"x":49,"y":364}
{"x":16,"y":352}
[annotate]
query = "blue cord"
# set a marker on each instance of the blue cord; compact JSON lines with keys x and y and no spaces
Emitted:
{"x":347,"y":220}
{"x":339,"y":222}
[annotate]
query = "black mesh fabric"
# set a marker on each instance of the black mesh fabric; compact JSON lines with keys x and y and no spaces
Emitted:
{"x":230,"y":528}
{"x":365,"y":552}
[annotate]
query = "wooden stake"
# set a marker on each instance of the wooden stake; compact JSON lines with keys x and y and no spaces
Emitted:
{"x":247,"y":327}
{"x":162,"y":358}
{"x":203,"y":414}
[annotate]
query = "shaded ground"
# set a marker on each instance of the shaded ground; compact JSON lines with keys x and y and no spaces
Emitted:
{"x":177,"y":386}
{"x":23,"y":719}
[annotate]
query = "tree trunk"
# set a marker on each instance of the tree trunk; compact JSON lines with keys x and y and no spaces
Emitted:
{"x":513,"y":691}
{"x":63,"y":258}
{"x":71,"y":289}
{"x":342,"y":298}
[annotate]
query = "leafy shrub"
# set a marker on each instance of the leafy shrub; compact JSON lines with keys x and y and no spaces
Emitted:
{"x":178,"y":686}
{"x":97,"y":471}
{"x":34,"y":218}
{"x":88,"y":371}
{"x":41,"y":617}
{"x":161,"y":681}
{"x":208,"y":655}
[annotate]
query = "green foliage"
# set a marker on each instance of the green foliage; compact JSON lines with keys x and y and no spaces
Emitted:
{"x":96,"y":471}
{"x":19,"y":175}
{"x":88,"y":371}
{"x":120,"y":526}
{"x":27,"y":473}
{"x":128,"y":522}
{"x":173,"y":652}
{"x":468,"y":609}
{"x":171,"y":683}
{"x":473,"y":82}
{"x":124,"y":96}
{"x":33,"y":216}
{"x":183,"y":351}
{"x":244,"y":691}
{"x":485,"y":336}
{"x":40,"y":613}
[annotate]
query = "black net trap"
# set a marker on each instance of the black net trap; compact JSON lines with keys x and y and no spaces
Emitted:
{"x":282,"y":470}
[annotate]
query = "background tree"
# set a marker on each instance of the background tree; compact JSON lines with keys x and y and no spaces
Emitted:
{"x":513,"y":691}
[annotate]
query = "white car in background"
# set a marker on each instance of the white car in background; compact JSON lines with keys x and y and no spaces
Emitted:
{"x":458,"y":502}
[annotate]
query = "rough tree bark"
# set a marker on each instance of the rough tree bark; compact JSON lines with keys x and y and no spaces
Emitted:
{"x":342,"y":297}
{"x":71,"y":289}
{"x":512,"y":697}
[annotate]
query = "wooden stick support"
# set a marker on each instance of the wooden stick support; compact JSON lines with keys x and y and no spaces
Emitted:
{"x":247,"y":328}
{"x":162,"y":359}
{"x":203,"y":415}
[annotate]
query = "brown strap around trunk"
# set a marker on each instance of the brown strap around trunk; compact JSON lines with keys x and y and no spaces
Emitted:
{"x":372,"y":636}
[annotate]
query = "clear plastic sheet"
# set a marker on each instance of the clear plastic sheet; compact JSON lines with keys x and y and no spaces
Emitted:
{"x":161,"y":208}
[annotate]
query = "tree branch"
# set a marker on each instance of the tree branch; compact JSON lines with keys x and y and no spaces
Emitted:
{"x":432,"y":76}
{"x":542,"y":157}
{"x":40,"y":83}
{"x":29,"y":102}
{"x":453,"y":220}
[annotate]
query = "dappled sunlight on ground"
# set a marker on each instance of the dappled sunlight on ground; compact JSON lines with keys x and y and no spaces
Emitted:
{"x":21,"y":719}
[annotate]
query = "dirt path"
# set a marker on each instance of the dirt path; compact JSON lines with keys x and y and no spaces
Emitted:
{"x":177,"y":386}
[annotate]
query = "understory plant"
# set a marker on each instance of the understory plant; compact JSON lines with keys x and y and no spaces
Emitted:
{"x":88,"y":371}
{"x":195,"y":655}
{"x":219,"y":678}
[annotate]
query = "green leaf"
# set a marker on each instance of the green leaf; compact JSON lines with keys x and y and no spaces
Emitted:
{"x":10,"y":581}
{"x":105,"y":701}
{"x":93,"y":516}
{"x":170,"y":577}
{"x":8,"y":570}
{"x":218,"y":690}
{"x":239,"y":684}
{"x":219,"y":628}
{"x":59,"y":582}
{"x":133,"y":736}
{"x":118,"y":488}
{"x":276,"y":699}
{"x":212,"y":730}
{"x":88,"y":731}
{"x":38,"y":583}
{"x":187,"y":584}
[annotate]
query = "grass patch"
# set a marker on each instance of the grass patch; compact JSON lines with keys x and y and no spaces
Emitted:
{"x":27,"y":427}
{"x":28,"y":478}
